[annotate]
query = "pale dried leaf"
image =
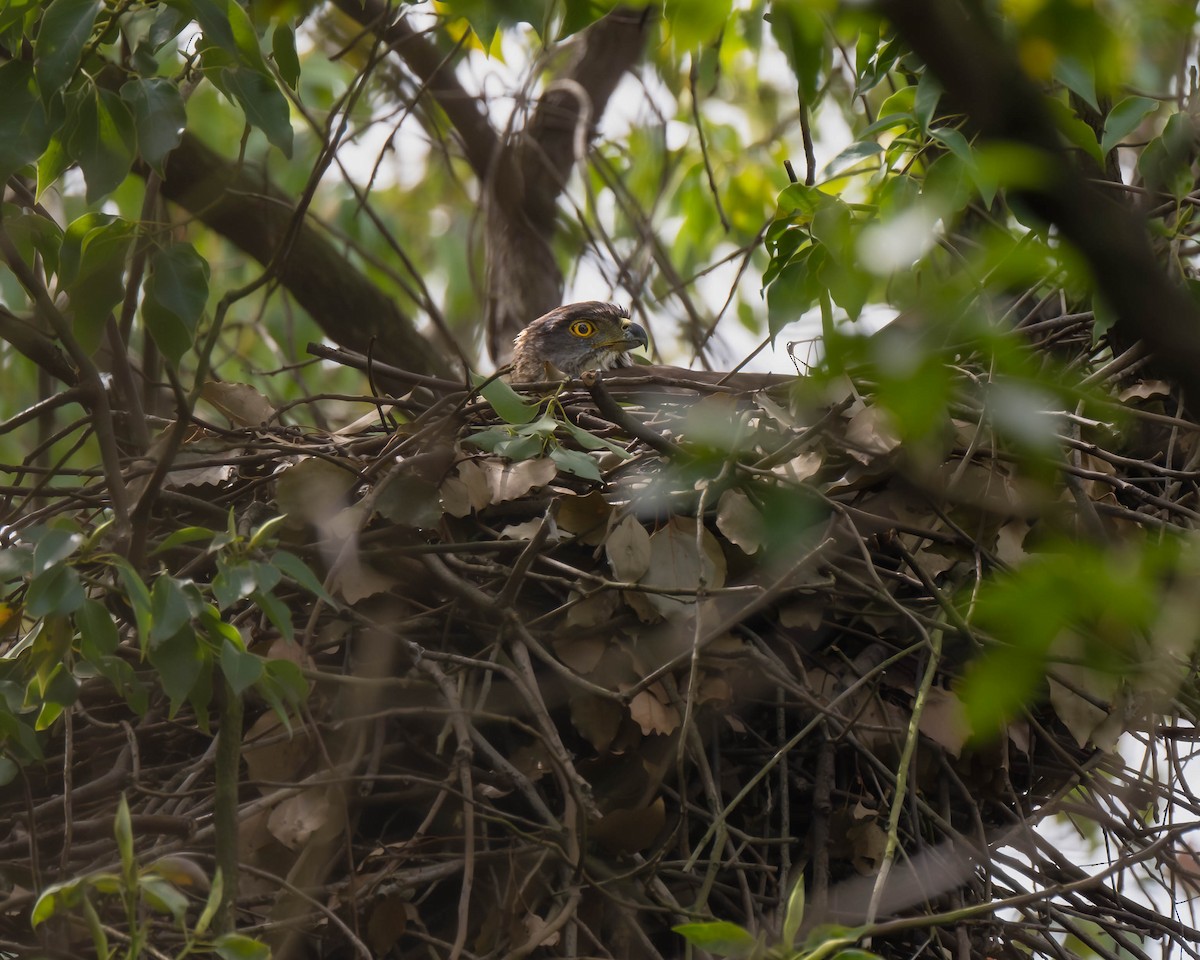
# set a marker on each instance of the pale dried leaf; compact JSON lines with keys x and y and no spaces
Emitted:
{"x":943,"y":720}
{"x":271,"y":755}
{"x":511,"y":480}
{"x":739,"y":520}
{"x":314,"y":490}
{"x":870,"y":434}
{"x":240,"y":402}
{"x":581,"y":654}
{"x":802,"y":613}
{"x":1144,"y":390}
{"x":628,"y":550}
{"x":1010,"y":541}
{"x":800,"y":467}
{"x":597,"y":719}
{"x":465,"y":490}
{"x":523,"y":531}
{"x":675,"y":564}
{"x":652,"y":715}
{"x":592,"y":610}
{"x":300,"y":818}
{"x":585,"y":517}
{"x":630,"y":831}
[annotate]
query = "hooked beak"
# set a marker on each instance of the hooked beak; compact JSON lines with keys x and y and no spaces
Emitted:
{"x":635,"y":334}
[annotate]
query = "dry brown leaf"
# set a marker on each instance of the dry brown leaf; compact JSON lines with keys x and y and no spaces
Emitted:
{"x":509,"y":481}
{"x":240,"y":402}
{"x":652,"y":715}
{"x":870,"y":434}
{"x":597,"y":719}
{"x":1010,"y":541}
{"x":523,"y":531}
{"x":356,"y":581}
{"x":314,"y":491}
{"x":273,"y":757}
{"x":466,"y":490}
{"x":1144,"y":390}
{"x":802,"y":613}
{"x":675,"y":564}
{"x":585,"y":517}
{"x":630,"y":831}
{"x":311,"y":814}
{"x":387,"y":923}
{"x":580,"y":654}
{"x":714,"y":688}
{"x":944,"y":721}
{"x":739,"y":520}
{"x":868,"y":841}
{"x":599,"y":607}
{"x":801,"y":467}
{"x":628,"y":550}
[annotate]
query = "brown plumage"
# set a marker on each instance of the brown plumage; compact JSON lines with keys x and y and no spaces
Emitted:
{"x":573,"y":338}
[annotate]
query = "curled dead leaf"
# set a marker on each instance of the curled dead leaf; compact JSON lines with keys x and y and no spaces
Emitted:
{"x":739,"y":520}
{"x":652,"y":714}
{"x":628,"y":550}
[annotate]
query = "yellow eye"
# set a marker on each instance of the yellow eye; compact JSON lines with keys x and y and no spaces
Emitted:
{"x":583,"y":328}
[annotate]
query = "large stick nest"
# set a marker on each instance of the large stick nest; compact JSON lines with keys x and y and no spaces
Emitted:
{"x":643,"y":652}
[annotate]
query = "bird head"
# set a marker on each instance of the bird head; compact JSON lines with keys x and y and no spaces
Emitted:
{"x":574,"y":338}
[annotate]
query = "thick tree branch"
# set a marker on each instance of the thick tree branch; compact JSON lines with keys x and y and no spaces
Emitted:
{"x":987,"y":82}
{"x":523,"y":279}
{"x":475,"y":132}
{"x":242,"y":205}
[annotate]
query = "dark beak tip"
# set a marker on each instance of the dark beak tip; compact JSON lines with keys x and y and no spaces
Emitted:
{"x":637,"y":333}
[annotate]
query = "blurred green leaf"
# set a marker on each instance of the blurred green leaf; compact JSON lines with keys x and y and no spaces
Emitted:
{"x":158,"y":115}
{"x":65,"y":29}
{"x":100,"y":137}
{"x":283,"y":49}
{"x":176,"y":293}
{"x":720,"y":937}
{"x":236,"y":946}
{"x":241,"y":669}
{"x":1123,"y":119}
{"x":507,"y":402}
{"x":25,"y":128}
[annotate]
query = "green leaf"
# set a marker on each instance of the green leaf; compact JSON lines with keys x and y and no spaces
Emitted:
{"x":589,"y":441}
{"x":235,"y":946}
{"x":53,"y":546}
{"x":179,"y":661}
{"x":226,"y":23}
{"x":123,"y":832}
{"x":184,"y":536}
{"x":52,"y":164}
{"x":93,"y":266}
{"x":175,"y":295}
{"x":792,"y":293}
{"x":241,"y":669}
{"x":158,"y":115}
{"x":163,"y":896}
{"x":65,"y":30}
{"x":929,"y":92}
{"x":1079,"y":79}
{"x":98,"y":632}
{"x":139,"y":599}
{"x":233,"y":582}
{"x":283,"y":49}
{"x":793,"y":915}
{"x":508,"y":403}
{"x":211,"y":904}
{"x":1123,"y":119}
{"x":168,"y":609}
{"x":25,"y":128}
{"x":695,"y":23}
{"x":277,"y":612}
{"x":297,"y":570}
{"x":100,"y":138}
{"x":57,"y":591}
{"x":576,"y":462}
{"x":853,"y":154}
{"x":57,"y":896}
{"x":262,"y":103}
{"x":720,"y":937}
